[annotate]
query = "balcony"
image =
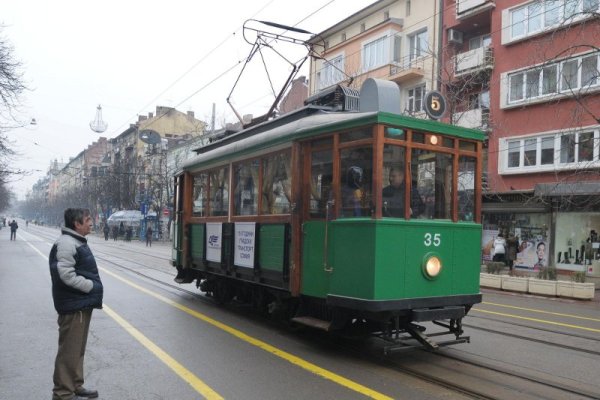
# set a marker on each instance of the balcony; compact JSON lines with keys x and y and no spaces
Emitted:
{"x":407,"y":69}
{"x":468,"y":8}
{"x":477,"y":118}
{"x":473,"y":61}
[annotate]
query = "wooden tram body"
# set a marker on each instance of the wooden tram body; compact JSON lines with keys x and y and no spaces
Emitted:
{"x":292,"y":216}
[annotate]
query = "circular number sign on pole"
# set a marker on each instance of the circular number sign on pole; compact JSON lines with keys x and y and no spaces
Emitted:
{"x":435,"y":104}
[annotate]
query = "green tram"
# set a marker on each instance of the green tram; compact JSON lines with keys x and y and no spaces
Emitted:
{"x":303,"y":216}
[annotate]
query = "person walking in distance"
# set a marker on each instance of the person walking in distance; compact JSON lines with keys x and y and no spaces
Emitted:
{"x":13,"y":229}
{"x":106,"y":231}
{"x":76,"y":291}
{"x":149,"y":236}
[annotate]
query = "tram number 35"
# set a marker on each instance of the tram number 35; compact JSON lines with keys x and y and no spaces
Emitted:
{"x":432,"y":239}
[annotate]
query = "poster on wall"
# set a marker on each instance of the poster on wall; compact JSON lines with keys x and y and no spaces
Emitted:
{"x":213,"y":241}
{"x":487,"y":243}
{"x":533,"y":249}
{"x":245,"y":234}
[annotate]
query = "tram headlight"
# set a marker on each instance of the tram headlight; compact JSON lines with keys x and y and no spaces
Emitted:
{"x":432,"y":266}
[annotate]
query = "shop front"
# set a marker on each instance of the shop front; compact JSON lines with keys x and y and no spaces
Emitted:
{"x":530,"y":223}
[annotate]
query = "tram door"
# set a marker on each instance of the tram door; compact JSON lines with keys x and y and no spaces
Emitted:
{"x":177,"y":250}
{"x":318,"y":212}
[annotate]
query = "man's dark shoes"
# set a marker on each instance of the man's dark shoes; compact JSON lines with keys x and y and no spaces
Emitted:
{"x":83,"y":392}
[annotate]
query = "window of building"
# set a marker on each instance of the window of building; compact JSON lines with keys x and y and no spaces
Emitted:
{"x":547,"y":150}
{"x":343,"y":37}
{"x":479,"y":42}
{"x":589,"y":71}
{"x":514,"y":153}
{"x":567,"y":148}
{"x":516,"y":87}
{"x":418,"y":44}
{"x":408,"y":8}
{"x":555,"y":152}
{"x":363,"y":27}
{"x":569,"y":75}
{"x":332,"y":72}
{"x":585,"y":147}
{"x":542,"y":15}
{"x":386,"y":15}
{"x":530,"y":152}
{"x":375,"y":53}
{"x":415,"y":99}
{"x":549,"y":79}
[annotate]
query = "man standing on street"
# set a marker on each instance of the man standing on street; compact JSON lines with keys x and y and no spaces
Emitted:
{"x":76,"y":291}
{"x":13,"y":229}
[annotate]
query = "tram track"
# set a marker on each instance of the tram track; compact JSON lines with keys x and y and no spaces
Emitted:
{"x":420,"y":362}
{"x":541,"y":341}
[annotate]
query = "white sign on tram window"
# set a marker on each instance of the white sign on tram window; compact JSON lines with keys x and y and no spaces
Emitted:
{"x":245,"y":234}
{"x":214,"y":234}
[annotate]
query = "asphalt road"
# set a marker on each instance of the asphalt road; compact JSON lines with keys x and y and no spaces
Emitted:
{"x":152,"y":341}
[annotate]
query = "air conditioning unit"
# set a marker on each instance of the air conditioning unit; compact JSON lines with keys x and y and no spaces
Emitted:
{"x":455,"y":36}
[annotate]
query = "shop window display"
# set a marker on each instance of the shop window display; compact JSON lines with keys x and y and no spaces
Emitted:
{"x":577,"y":243}
{"x":531,"y":230}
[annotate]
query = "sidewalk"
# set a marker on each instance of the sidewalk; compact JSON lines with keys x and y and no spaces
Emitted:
{"x":560,"y":277}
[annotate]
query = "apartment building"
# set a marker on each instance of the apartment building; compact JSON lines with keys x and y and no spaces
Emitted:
{"x":392,"y":40}
{"x":527,"y":72}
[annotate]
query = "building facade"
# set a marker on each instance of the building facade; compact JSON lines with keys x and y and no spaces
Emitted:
{"x":527,"y":72}
{"x":392,"y":40}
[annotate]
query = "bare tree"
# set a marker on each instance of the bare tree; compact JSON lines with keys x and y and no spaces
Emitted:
{"x":11,"y":86}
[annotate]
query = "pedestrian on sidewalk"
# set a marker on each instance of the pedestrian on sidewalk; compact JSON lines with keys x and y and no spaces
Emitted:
{"x":500,"y":248}
{"x":76,"y":291}
{"x":106,"y":231}
{"x":512,"y":244}
{"x":13,"y":229}
{"x":149,"y":236}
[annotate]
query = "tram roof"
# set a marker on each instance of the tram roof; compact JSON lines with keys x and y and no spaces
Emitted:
{"x":311,"y":121}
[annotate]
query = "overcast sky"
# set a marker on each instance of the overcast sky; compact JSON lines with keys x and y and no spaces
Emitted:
{"x":130,"y":56}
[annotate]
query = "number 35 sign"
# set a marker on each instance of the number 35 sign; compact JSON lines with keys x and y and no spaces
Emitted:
{"x":435,"y":104}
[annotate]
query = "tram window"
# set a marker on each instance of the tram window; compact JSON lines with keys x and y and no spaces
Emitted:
{"x":394,"y":187}
{"x":433,"y":175}
{"x":469,"y":146}
{"x":322,"y":142}
{"x":245,"y":195}
{"x":321,"y":176}
{"x":357,"y":134}
{"x":356,"y":181}
{"x":219,"y":192}
{"x":418,"y":137}
{"x":200,"y":195}
{"x":448,"y":142}
{"x":277,"y":184}
{"x":395,"y":133}
{"x":466,"y":188}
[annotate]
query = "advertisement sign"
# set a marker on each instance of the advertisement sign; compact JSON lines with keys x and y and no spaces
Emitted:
{"x":214,"y":234}
{"x":245,"y":234}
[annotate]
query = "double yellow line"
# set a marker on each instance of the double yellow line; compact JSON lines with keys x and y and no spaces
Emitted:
{"x":543,"y":321}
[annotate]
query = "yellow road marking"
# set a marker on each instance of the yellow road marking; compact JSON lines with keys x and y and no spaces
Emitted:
{"x":538,"y":320}
{"x":315,"y":369}
{"x":179,"y":369}
{"x":542,"y":311}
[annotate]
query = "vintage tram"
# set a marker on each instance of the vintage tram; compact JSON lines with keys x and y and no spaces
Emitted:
{"x":305,"y":216}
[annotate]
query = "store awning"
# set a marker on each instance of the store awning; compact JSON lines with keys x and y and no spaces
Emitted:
{"x":567,"y":189}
